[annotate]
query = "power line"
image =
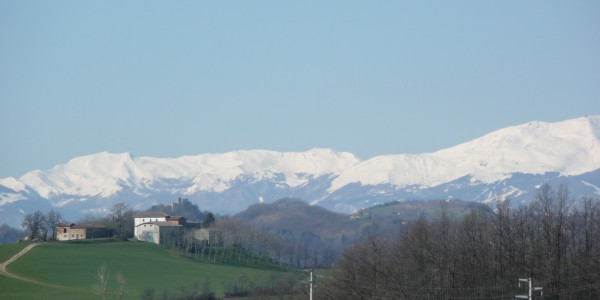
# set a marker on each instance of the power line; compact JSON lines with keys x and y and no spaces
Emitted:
{"x":420,"y":291}
{"x":426,"y":291}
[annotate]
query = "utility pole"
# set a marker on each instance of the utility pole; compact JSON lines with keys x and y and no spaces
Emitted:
{"x":530,"y":294}
{"x":539,"y":288}
{"x":311,"y":284}
{"x":531,"y":289}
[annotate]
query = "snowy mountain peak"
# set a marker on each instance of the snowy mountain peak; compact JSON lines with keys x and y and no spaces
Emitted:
{"x":570,"y":147}
{"x":105,"y":174}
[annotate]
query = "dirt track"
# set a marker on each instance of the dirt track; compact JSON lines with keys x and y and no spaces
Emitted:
{"x":4,"y":272}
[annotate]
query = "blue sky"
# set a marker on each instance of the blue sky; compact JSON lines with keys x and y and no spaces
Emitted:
{"x":174,"y":78}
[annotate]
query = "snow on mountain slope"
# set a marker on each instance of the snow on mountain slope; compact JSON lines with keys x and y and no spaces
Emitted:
{"x":105,"y":174}
{"x":507,"y":162}
{"x":11,"y":191}
{"x":570,"y":147}
{"x":12,"y":183}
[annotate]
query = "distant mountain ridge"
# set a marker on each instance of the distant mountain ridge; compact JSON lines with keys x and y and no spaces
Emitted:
{"x":511,"y":161}
{"x":570,"y":148}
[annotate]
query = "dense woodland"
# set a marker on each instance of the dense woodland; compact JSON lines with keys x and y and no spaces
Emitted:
{"x":288,"y":232}
{"x":553,"y":240}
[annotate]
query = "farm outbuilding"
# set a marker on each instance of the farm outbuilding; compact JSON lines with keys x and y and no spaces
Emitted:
{"x":83,"y":231}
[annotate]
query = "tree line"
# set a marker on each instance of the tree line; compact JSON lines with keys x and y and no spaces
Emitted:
{"x":239,"y":243}
{"x":40,"y":226}
{"x":554,"y":240}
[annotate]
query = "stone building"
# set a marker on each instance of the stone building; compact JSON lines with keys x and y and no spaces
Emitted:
{"x":72,"y":231}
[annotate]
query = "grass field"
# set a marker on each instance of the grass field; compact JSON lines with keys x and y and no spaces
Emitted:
{"x":72,"y":267}
{"x":17,"y":289}
{"x":8,"y":250}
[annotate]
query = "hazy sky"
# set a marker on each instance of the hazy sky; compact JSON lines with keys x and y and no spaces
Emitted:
{"x":176,"y":78}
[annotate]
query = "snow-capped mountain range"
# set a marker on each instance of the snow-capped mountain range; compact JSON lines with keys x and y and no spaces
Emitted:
{"x":512,"y":161}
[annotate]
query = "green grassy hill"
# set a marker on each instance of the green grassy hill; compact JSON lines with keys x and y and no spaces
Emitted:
{"x":8,"y":250}
{"x":71,"y":269}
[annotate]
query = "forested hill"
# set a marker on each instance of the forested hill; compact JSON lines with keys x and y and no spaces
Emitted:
{"x":314,"y":235}
{"x":293,"y":217}
{"x":322,"y":235}
{"x":296,"y":216}
{"x":410,"y":211}
{"x":183,"y":208}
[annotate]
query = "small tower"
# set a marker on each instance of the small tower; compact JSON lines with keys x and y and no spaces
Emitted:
{"x":179,"y":206}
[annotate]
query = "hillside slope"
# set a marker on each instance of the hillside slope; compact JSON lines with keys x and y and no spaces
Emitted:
{"x":294,"y":219}
{"x":143,"y":266}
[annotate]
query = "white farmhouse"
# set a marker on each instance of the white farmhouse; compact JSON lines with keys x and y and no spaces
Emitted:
{"x":156,"y":227}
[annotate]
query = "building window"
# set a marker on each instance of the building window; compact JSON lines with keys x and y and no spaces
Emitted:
{"x":65,"y":230}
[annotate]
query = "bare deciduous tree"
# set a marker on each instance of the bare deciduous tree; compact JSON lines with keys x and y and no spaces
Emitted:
{"x":121,"y":285}
{"x":52,"y":220}
{"x":481,"y":255}
{"x":101,"y":285}
{"x":122,"y":220}
{"x":34,"y":224}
